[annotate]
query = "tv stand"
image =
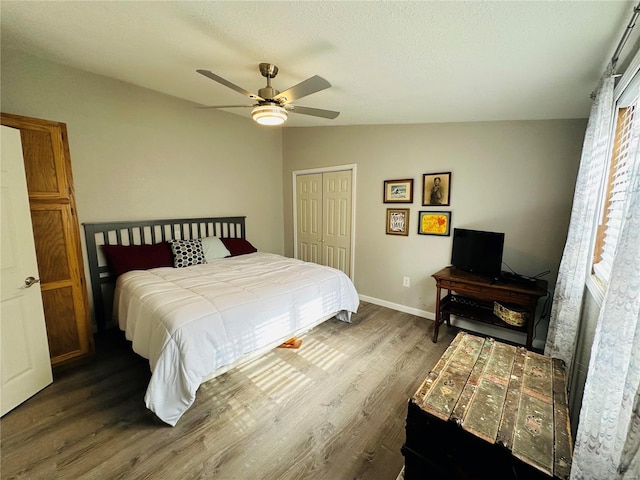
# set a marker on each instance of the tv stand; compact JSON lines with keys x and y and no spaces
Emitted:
{"x":471,"y":296}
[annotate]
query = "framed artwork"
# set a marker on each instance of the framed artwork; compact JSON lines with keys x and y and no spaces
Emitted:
{"x":435,"y":223}
{"x":398,"y":221}
{"x":436,"y":189}
{"x":398,"y":191}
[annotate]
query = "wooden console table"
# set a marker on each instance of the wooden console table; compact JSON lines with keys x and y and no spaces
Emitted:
{"x":472,"y":296}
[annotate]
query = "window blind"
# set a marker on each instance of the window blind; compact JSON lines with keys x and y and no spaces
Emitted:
{"x":626,"y":143}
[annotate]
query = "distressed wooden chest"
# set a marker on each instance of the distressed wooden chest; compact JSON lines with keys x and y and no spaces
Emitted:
{"x":489,"y":410}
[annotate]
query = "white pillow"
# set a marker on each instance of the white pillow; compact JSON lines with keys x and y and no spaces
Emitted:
{"x":214,"y":248}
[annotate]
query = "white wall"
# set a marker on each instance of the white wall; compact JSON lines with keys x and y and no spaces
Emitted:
{"x":511,"y":177}
{"x":137,"y":154}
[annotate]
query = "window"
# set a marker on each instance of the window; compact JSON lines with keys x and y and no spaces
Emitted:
{"x":624,"y":145}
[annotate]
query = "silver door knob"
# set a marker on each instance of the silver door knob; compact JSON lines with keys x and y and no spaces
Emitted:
{"x":30,"y":281}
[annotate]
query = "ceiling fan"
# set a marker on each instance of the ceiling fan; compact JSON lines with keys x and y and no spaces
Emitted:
{"x":273,"y":107}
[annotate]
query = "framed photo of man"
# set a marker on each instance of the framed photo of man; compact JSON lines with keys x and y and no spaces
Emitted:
{"x":436,"y":189}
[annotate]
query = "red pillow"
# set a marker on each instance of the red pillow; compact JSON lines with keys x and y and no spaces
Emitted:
{"x":124,"y":258}
{"x":238,"y":246}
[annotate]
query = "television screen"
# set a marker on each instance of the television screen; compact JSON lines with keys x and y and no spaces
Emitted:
{"x":477,"y":251}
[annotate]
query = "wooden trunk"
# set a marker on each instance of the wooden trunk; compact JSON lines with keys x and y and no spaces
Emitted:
{"x":489,"y":410}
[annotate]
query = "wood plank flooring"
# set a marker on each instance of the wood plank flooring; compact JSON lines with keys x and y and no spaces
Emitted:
{"x":334,"y":409}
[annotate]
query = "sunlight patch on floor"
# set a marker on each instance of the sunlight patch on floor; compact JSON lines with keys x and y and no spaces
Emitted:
{"x":320,"y":354}
{"x":280,"y":381}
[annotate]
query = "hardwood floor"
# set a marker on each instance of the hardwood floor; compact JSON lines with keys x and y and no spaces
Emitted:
{"x":334,"y":409}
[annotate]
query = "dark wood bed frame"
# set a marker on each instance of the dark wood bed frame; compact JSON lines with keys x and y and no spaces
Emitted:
{"x":139,"y":233}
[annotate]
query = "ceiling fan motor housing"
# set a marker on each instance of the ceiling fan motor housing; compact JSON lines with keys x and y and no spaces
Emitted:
{"x":268,"y":92}
{"x":269,"y":71}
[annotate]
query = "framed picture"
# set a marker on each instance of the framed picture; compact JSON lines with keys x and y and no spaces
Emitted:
{"x":398,"y":191}
{"x":436,"y":189}
{"x":435,"y":223}
{"x":398,"y":221}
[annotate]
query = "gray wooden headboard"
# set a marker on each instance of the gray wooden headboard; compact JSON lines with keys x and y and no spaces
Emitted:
{"x":139,"y":233}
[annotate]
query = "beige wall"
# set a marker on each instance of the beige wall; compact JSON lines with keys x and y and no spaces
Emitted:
{"x":137,"y":154}
{"x":511,"y":177}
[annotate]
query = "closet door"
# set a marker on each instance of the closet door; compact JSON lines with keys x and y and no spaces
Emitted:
{"x":57,"y":238}
{"x":323,"y":218}
{"x":336,"y":223}
{"x":309,"y":217}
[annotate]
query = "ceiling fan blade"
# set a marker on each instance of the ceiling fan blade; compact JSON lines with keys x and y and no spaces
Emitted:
{"x":227,"y":83}
{"x":307,"y":87}
{"x":225,"y":106}
{"x":316,"y":112}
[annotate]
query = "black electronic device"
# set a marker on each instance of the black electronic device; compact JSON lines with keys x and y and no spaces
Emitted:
{"x":477,"y":251}
{"x":511,"y":277}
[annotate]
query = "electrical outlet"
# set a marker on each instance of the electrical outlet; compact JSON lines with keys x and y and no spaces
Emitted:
{"x":406,"y":282}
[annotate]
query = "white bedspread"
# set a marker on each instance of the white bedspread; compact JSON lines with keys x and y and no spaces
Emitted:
{"x":190,"y":321}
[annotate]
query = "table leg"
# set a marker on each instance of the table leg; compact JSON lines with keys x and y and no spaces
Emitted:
{"x":438,"y":315}
{"x":530,"y":326}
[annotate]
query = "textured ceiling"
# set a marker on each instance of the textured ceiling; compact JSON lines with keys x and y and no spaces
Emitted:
{"x":388,"y":62}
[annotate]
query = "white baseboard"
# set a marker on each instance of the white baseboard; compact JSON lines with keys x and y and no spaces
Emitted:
{"x":400,"y":308}
{"x":482,"y":328}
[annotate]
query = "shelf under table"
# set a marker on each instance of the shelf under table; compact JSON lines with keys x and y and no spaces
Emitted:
{"x":477,"y":310}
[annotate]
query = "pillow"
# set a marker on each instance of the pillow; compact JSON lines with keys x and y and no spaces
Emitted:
{"x":124,"y":258}
{"x":238,"y":246}
{"x":187,"y":252}
{"x":214,"y":248}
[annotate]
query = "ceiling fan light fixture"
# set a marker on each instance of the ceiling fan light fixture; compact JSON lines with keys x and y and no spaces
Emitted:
{"x":269,"y":115}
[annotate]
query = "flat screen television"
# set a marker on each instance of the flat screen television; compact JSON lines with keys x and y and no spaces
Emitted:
{"x":478,"y":252}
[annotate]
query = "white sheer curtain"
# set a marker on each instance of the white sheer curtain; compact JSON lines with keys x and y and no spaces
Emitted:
{"x":569,"y":290}
{"x":608,"y":439}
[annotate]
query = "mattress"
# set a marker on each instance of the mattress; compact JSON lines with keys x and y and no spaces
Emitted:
{"x":191,"y":321}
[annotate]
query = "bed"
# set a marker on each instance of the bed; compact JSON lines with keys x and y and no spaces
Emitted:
{"x":198,"y":321}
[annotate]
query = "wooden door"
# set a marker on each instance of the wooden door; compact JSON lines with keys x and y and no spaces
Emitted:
{"x":57,"y":237}
{"x":24,"y":354}
{"x":323,"y":218}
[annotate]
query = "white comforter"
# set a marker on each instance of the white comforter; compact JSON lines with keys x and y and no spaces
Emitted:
{"x":190,"y":321}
